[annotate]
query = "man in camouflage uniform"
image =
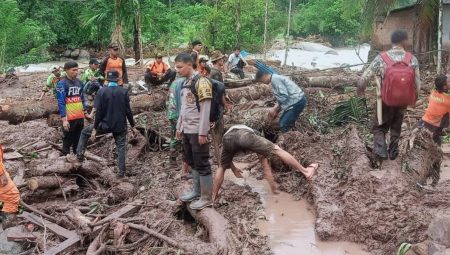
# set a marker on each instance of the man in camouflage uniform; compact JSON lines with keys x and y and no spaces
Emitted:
{"x":193,"y":127}
{"x":392,"y":117}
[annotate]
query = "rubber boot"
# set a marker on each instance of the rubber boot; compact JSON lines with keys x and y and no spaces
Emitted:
{"x":206,"y":183}
{"x":393,"y":150}
{"x":195,"y":192}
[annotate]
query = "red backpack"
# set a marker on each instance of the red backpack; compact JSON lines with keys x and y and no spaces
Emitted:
{"x":399,"y":82}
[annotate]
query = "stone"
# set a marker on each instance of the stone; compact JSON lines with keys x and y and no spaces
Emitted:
{"x":84,"y":54}
{"x":7,"y":247}
{"x":75,"y":53}
{"x":439,"y":230}
{"x":67,"y":53}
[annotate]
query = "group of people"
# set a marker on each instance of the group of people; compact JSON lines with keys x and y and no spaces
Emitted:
{"x":197,"y":101}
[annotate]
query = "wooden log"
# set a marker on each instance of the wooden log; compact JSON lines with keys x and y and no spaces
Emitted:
{"x":250,"y":93}
{"x":138,"y":144}
{"x":60,"y":166}
{"x":79,"y":219}
{"x":276,"y":63}
{"x":45,"y":182}
{"x":20,"y":111}
{"x":238,"y":83}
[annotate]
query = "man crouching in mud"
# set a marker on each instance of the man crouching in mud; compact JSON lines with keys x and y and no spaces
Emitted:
{"x":240,"y":138}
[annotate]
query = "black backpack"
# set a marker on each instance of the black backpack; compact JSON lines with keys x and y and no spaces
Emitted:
{"x":218,"y":90}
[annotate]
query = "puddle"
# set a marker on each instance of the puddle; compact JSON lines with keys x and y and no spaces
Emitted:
{"x":289,"y":224}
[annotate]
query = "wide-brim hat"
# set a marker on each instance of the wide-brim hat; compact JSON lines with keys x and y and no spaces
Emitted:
{"x":216,"y":55}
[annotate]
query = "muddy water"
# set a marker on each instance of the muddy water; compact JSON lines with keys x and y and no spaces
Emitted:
{"x":289,"y":224}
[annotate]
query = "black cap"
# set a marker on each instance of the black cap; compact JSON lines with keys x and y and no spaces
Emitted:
{"x":260,"y":74}
{"x":113,"y":45}
{"x":93,"y":61}
{"x":70,"y":64}
{"x":112,"y":75}
{"x":196,"y":42}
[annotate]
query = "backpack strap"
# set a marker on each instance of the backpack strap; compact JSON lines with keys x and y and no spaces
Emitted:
{"x":408,"y":57}
{"x":388,"y":60}
{"x":194,"y":89}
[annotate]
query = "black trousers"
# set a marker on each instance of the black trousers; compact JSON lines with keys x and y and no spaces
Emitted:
{"x":71,"y":137}
{"x":196,"y":155}
{"x":392,"y":123}
{"x":152,"y":79}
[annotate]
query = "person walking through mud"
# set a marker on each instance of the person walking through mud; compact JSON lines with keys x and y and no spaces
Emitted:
{"x":291,"y":99}
{"x":396,"y":73}
{"x":114,"y":61}
{"x":112,"y":105}
{"x":72,"y":107}
{"x":9,"y":196}
{"x":192,"y":127}
{"x":241,"y":138}
{"x":435,"y":119}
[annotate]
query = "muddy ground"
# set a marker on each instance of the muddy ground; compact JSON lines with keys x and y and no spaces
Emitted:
{"x":354,"y":200}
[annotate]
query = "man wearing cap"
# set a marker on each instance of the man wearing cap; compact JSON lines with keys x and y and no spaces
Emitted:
{"x":52,"y":80}
{"x":92,"y":78}
{"x":203,"y":67}
{"x":113,"y":61}
{"x":291,"y":100}
{"x":112,"y":105}
{"x":71,"y":104}
{"x":218,"y":61}
{"x":195,"y":53}
{"x":236,"y":62}
{"x":159,"y":72}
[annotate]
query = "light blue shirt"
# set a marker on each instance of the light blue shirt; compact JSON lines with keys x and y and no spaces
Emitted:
{"x":286,"y":91}
{"x":233,"y":60}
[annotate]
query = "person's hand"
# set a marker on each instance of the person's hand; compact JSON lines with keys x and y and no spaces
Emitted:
{"x":273,"y":113}
{"x":202,"y":139}
{"x":179,"y":135}
{"x":3,"y":180}
{"x":134,"y":132}
{"x":93,"y":134}
{"x":66,"y":125}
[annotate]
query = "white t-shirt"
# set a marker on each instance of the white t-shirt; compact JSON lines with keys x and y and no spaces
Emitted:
{"x":233,"y":60}
{"x":239,"y":126}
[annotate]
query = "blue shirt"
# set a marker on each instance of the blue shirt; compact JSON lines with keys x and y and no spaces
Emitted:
{"x":70,"y":96}
{"x":286,"y":91}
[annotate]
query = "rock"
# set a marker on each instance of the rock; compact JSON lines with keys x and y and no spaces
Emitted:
{"x":331,"y":52}
{"x":75,"y":53}
{"x":7,"y":247}
{"x":67,"y":53}
{"x":439,"y":230}
{"x":84,"y":54}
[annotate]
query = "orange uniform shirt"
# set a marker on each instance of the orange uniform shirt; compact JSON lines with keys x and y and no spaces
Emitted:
{"x":9,"y":194}
{"x":438,"y":106}
{"x":156,"y":68}
{"x":117,"y":64}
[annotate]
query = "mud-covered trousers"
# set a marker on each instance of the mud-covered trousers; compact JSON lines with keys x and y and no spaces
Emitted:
{"x":196,"y":155}
{"x":392,"y":123}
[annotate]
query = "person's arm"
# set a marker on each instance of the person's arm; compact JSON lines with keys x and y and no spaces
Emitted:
{"x":373,"y":69}
{"x":415,"y":64}
{"x":102,"y":67}
{"x":61,"y":98}
{"x":204,"y":91}
{"x":98,"y":105}
{"x":85,"y":76}
{"x":3,"y":177}
{"x":218,"y":180}
{"x":124,"y":72}
{"x":83,"y":100}
{"x":128,"y":110}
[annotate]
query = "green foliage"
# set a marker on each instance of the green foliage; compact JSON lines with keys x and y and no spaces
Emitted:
{"x":352,"y":110}
{"x":22,"y":39}
{"x":329,"y":18}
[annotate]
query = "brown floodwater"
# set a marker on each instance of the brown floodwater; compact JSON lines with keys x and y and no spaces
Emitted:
{"x":289,"y":224}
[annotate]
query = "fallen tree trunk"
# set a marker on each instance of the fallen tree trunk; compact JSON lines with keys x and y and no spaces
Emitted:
{"x":250,"y":93}
{"x":334,"y":82}
{"x":45,"y":182}
{"x":255,"y":118}
{"x":60,"y":166}
{"x":238,"y":83}
{"x":20,"y":111}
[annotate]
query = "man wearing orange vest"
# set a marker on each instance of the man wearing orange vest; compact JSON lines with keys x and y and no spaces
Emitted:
{"x":113,"y":61}
{"x":9,"y":194}
{"x":159,"y":72}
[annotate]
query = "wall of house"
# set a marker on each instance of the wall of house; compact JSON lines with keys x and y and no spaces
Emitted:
{"x":404,"y":19}
{"x":446,"y":27}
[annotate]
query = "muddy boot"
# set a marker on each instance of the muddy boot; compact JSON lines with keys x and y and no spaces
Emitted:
{"x":393,"y":150}
{"x":206,"y":184}
{"x":195,"y":192}
{"x":379,"y":147}
{"x":173,"y":158}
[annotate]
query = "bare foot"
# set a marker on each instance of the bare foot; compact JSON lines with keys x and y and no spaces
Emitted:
{"x":312,"y":168}
{"x":237,"y":172}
